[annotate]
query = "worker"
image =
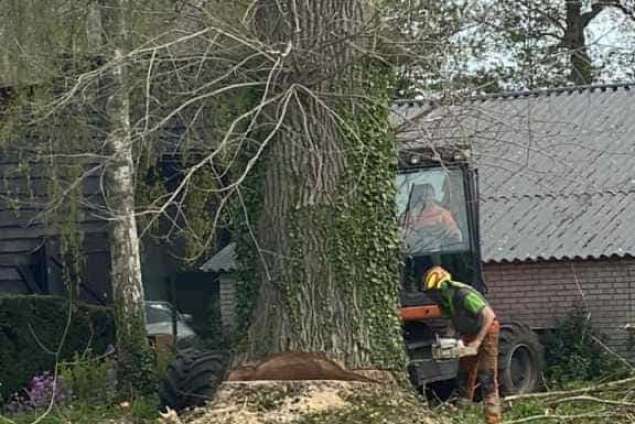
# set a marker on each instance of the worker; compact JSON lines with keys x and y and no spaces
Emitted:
{"x":476,"y":321}
{"x":427,"y":225}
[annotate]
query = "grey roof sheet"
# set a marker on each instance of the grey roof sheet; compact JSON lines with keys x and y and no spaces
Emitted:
{"x":223,"y":261}
{"x":557,"y":168}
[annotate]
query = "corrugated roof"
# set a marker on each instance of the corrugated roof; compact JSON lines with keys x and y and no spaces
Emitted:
{"x":223,"y":261}
{"x":557,"y":168}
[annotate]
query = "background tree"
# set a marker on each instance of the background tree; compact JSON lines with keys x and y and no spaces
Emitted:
{"x":134,"y":359}
{"x":71,"y":137}
{"x":491,"y":46}
{"x":555,"y":37}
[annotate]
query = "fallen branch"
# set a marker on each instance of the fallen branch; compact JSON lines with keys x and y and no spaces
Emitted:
{"x":584,"y":398}
{"x":541,"y":418}
{"x":595,"y":388}
{"x":613,"y":353}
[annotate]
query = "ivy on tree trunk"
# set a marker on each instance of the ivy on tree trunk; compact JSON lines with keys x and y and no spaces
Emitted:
{"x":321,"y":207}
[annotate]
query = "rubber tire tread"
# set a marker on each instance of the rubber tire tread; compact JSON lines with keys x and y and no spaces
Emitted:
{"x":192,"y":378}
{"x":513,"y":334}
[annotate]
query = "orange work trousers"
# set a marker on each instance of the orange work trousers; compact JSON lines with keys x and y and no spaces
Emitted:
{"x":483,"y":367}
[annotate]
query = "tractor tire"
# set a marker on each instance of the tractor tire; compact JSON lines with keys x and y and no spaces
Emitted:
{"x":520,"y":359}
{"x":192,"y":378}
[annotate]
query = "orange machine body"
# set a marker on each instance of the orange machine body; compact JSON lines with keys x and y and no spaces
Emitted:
{"x":418,"y":313}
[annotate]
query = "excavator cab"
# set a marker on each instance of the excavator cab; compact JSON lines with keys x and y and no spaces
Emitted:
{"x":437,"y":207}
{"x":438,"y":211}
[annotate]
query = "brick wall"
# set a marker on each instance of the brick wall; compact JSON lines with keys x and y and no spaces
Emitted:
{"x":227,"y":287}
{"x":539,"y":293}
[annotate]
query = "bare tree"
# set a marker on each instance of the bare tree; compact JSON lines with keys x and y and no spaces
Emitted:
{"x":548,"y":41}
{"x":134,"y":359}
{"x":574,"y":38}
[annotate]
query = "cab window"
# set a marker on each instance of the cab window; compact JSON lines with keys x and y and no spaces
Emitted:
{"x":432,"y":211}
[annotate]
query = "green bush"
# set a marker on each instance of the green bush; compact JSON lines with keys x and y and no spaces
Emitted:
{"x":31,"y":328}
{"x":211,"y":336}
{"x":163,"y":359}
{"x":90,"y":379}
{"x":572,"y":354}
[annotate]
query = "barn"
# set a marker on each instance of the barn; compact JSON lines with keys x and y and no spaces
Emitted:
{"x":557,"y":200}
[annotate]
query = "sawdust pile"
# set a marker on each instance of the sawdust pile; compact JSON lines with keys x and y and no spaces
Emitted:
{"x":309,"y":402}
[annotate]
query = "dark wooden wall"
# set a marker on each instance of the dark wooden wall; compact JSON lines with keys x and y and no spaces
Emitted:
{"x":30,"y":260}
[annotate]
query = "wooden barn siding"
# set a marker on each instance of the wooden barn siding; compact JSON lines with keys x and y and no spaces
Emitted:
{"x":24,"y":231}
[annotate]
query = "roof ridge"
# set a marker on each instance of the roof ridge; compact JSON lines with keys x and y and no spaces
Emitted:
{"x":561,"y":257}
{"x":519,"y":94}
{"x":560,"y":195}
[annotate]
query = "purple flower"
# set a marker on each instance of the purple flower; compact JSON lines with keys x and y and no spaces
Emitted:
{"x":38,"y":394}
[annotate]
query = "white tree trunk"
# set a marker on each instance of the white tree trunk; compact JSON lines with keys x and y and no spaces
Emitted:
{"x":126,"y":264}
{"x":134,"y":360}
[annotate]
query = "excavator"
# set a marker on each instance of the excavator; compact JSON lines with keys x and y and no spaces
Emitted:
{"x":444,"y":182}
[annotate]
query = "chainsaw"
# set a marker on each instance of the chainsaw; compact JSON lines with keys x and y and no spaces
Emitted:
{"x":445,"y":348}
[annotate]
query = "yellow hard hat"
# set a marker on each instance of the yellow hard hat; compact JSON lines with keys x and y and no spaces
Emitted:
{"x":435,"y":277}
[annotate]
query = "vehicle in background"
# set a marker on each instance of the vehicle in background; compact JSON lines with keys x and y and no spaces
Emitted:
{"x":159,"y":321}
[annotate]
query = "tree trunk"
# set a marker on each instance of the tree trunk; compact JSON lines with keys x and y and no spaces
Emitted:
{"x":575,"y":42}
{"x":327,"y":268}
{"x":134,"y":356}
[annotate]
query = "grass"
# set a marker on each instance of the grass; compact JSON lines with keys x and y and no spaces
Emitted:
{"x":141,"y":411}
{"x":579,"y":409}
{"x":374,"y":408}
{"x":473,"y":414}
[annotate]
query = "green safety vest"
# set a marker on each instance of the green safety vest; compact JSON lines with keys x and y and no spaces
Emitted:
{"x":463,"y":305}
